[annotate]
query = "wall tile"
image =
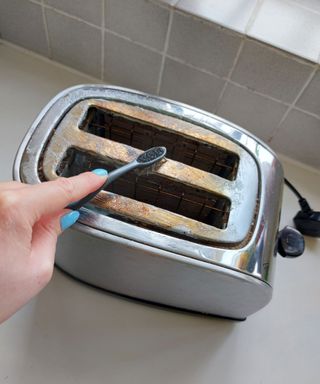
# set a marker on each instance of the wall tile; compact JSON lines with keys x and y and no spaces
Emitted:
{"x":74,"y":43}
{"x":86,"y":10}
{"x":21,"y":22}
{"x":140,"y":20}
{"x":233,"y":14}
{"x":288,"y":26}
{"x":255,"y":113}
{"x":205,"y":46}
{"x":190,"y":86}
{"x":270,"y":72}
{"x":310,"y":99}
{"x":131,"y":65}
{"x":313,"y":5}
{"x":299,"y":138}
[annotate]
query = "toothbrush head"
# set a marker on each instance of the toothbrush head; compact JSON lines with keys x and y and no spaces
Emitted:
{"x":151,"y":156}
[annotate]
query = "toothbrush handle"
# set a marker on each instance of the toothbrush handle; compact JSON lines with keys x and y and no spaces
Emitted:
{"x":111,"y":178}
{"x":119,"y":172}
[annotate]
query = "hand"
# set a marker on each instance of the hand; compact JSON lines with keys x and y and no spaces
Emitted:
{"x":31,"y":218}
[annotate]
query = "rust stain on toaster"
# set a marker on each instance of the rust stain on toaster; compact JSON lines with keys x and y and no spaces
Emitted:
{"x":146,"y":213}
{"x":167,"y":123}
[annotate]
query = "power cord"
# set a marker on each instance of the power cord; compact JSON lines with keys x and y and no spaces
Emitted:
{"x":307,"y":221}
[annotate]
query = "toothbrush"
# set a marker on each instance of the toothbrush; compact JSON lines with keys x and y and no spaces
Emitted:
{"x":147,"y":158}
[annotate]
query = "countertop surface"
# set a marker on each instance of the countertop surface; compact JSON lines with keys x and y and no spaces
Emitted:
{"x":72,"y":333}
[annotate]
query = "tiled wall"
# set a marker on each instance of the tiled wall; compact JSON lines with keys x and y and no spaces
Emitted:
{"x":157,"y":49}
{"x":291,"y":25}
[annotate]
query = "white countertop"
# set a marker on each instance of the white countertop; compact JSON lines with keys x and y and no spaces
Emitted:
{"x":72,"y":333}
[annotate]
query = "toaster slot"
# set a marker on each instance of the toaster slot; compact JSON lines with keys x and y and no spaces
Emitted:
{"x":180,"y":147}
{"x":156,"y":190}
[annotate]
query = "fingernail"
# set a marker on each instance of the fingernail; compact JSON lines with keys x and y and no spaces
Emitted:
{"x":100,"y":172}
{"x":69,"y":219}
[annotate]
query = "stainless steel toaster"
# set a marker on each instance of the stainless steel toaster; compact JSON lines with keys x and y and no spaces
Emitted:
{"x":198,"y":231}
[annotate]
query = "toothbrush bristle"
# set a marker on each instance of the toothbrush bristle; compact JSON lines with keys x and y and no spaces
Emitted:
{"x":152,"y":155}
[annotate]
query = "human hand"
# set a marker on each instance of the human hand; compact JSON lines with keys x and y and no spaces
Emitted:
{"x":31,"y":218}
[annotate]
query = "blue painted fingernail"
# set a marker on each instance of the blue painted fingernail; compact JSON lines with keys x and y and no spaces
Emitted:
{"x":100,"y":172}
{"x":69,"y":219}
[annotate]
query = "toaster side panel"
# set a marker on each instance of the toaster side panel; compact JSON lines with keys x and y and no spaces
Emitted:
{"x":124,"y":267}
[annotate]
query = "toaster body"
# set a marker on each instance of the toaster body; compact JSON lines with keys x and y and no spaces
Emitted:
{"x":198,"y":231}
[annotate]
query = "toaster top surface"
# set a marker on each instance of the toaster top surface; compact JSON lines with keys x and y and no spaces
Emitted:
{"x":206,"y":194}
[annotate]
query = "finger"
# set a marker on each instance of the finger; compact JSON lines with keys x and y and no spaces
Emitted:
{"x":52,"y":196}
{"x":11,"y":185}
{"x":44,"y":240}
{"x":43,"y":248}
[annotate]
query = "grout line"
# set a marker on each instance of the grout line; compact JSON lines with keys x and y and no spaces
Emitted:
{"x":235,"y":62}
{"x":39,"y":2}
{"x":165,"y":49}
{"x":44,"y":18}
{"x":228,"y":80}
{"x":208,"y":22}
{"x":132,"y":41}
{"x":294,"y":3}
{"x":236,"y":59}
{"x":253,"y":15}
{"x":47,"y":60}
{"x":308,"y":81}
{"x":177,"y":59}
{"x":292,"y":105}
{"x":282,"y":52}
{"x":218,"y":103}
{"x":102,"y":38}
{"x":306,"y":112}
{"x":162,"y":4}
{"x":71,"y":16}
{"x":258,"y":93}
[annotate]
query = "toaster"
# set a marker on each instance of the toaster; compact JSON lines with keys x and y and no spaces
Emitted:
{"x":198,"y":231}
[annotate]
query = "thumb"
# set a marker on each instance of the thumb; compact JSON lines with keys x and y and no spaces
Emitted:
{"x":49,"y":197}
{"x":44,"y":240}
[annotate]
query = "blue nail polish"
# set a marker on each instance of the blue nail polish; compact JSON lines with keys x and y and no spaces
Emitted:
{"x":69,"y":219}
{"x":100,"y":172}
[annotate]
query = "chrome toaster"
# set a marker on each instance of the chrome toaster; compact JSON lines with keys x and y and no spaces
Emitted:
{"x":198,"y":231}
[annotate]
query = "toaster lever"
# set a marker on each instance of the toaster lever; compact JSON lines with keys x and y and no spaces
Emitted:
{"x":290,"y":242}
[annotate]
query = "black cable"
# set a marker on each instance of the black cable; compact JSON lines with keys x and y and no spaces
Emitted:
{"x":302,"y":201}
{"x":293,"y":189}
{"x":307,"y":221}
